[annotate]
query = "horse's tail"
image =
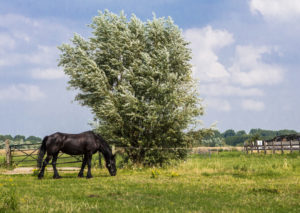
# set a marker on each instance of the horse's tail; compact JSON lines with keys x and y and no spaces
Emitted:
{"x":42,"y":152}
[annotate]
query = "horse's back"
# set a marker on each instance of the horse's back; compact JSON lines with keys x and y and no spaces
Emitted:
{"x":74,"y":144}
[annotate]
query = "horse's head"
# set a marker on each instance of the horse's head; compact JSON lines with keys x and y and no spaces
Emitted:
{"x":111,"y":165}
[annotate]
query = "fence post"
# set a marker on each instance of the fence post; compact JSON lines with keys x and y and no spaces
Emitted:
{"x":8,"y":153}
{"x":291,"y":147}
{"x":273,"y":147}
{"x":281,"y":148}
{"x":265,"y":147}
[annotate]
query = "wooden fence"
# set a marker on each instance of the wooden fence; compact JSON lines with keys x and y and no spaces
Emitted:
{"x":272,"y":146}
{"x":27,"y":154}
{"x":30,"y":155}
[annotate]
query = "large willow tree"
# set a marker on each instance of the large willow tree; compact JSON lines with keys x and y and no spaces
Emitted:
{"x":136,"y":78}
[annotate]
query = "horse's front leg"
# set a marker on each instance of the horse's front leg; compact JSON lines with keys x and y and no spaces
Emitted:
{"x":82,"y":166}
{"x":89,"y":162}
{"x":46,"y":161}
{"x":56,"y":175}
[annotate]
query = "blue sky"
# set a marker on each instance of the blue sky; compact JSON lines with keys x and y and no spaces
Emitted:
{"x":245,"y":57}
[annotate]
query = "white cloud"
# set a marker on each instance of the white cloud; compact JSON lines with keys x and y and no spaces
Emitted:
{"x":29,"y":42}
{"x":25,"y":92}
{"x":6,"y":42}
{"x":248,"y":68}
{"x":217,"y":104}
{"x":246,"y":77}
{"x":44,"y":56}
{"x":252,"y":105}
{"x":219,"y":89}
{"x":16,"y":21}
{"x":37,"y":28}
{"x":284,"y":10}
{"x":22,"y":36}
{"x":47,"y":74}
{"x":204,"y":44}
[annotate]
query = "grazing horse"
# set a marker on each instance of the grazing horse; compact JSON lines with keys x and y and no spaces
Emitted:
{"x":86,"y":143}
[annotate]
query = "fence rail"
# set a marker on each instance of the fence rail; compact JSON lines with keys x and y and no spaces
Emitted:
{"x":272,"y":146}
{"x":27,"y":154}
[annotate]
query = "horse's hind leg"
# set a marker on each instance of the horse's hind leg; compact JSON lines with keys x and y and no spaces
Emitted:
{"x":89,"y":163}
{"x":82,"y":167}
{"x":46,"y":161}
{"x":56,"y":175}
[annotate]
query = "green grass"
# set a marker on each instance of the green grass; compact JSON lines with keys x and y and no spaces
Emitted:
{"x":227,"y":182}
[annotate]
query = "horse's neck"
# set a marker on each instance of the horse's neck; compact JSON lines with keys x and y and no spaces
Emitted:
{"x":105,"y":150}
{"x":106,"y":154}
{"x":104,"y":147}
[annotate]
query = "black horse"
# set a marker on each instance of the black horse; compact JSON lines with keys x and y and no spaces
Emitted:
{"x":86,"y":143}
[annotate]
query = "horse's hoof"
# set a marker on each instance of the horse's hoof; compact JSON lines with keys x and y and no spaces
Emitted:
{"x":56,"y":177}
{"x":40,"y":177}
{"x":80,"y":176}
{"x":88,"y":177}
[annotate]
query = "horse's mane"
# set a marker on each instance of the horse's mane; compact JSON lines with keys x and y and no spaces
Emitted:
{"x":104,"y":146}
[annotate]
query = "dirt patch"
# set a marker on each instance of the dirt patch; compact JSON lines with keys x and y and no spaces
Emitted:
{"x":29,"y":170}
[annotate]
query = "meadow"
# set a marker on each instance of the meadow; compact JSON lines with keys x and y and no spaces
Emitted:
{"x":223,"y":182}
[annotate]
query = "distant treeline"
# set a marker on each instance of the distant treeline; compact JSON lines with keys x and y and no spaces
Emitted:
{"x":233,"y":138}
{"x":19,"y":139}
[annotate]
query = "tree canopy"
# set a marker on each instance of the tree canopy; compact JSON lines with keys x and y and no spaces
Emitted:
{"x":136,"y":78}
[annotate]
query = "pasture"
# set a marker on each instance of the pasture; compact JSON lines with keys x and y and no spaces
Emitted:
{"x":224,"y":182}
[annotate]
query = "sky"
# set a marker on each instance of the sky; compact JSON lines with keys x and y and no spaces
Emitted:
{"x":245,"y":57}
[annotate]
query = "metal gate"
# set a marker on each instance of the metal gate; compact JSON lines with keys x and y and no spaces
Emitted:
{"x":27,"y":154}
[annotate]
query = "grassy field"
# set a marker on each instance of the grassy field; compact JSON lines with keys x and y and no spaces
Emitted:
{"x":224,"y":182}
